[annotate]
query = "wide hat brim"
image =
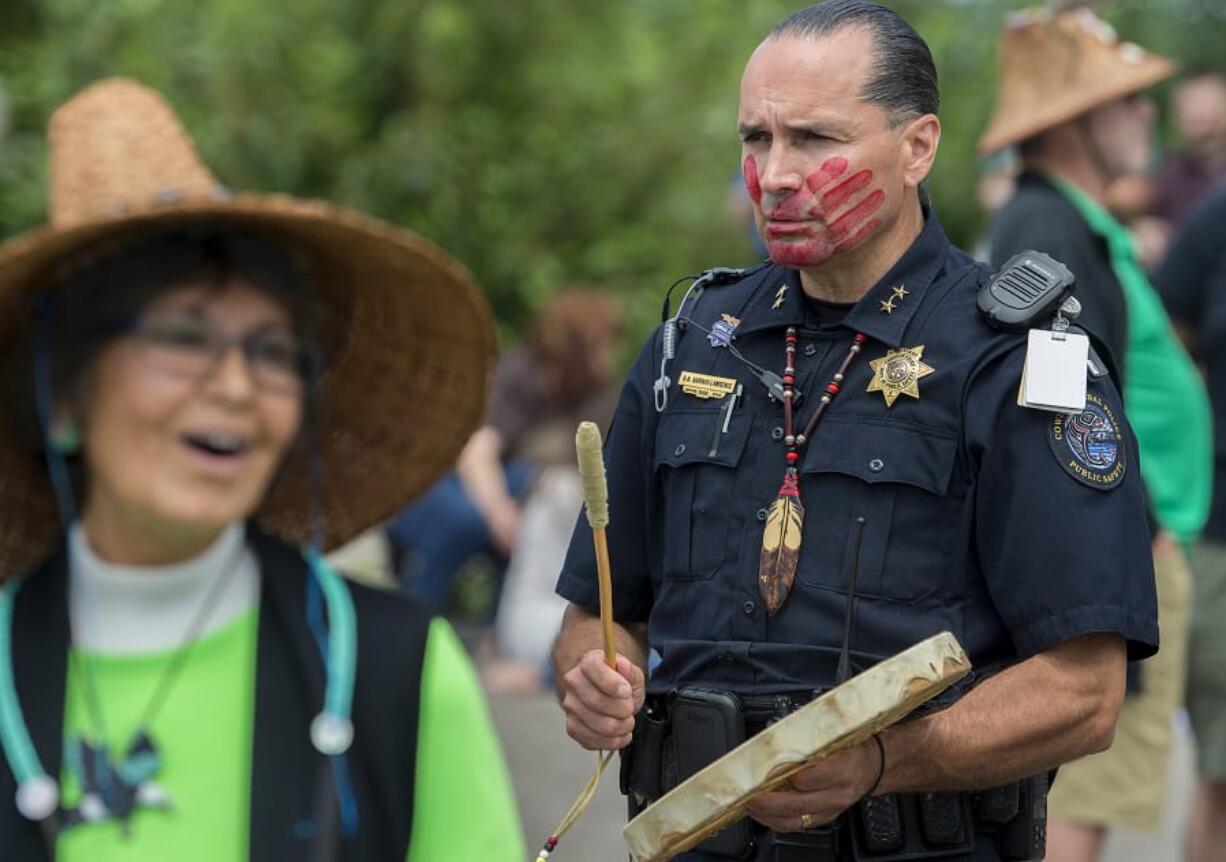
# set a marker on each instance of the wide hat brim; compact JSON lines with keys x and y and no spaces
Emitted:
{"x":1057,"y":67}
{"x":409,"y":357}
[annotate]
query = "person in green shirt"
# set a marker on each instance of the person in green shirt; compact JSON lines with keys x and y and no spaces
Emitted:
{"x":1072,"y":101}
{"x":206,"y":391}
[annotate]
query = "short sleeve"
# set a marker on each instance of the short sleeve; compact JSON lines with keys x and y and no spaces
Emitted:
{"x":1061,"y":531}
{"x":628,"y":453}
{"x":464,"y":806}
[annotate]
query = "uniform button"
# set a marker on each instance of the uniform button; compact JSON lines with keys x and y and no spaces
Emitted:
{"x":777,"y":434}
{"x":680,"y":450}
{"x":763,"y":514}
{"x":749,"y":608}
{"x":876,"y":465}
{"x":810,"y":349}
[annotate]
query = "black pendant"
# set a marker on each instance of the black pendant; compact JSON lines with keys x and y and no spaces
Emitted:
{"x":112,"y":791}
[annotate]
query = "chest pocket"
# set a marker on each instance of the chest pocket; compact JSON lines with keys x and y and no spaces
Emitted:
{"x":696,"y":462}
{"x":898,"y":478}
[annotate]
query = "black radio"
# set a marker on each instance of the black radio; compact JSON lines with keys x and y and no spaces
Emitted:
{"x":1027,"y":291}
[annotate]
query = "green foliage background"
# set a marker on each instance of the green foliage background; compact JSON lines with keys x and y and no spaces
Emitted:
{"x":541,"y":142}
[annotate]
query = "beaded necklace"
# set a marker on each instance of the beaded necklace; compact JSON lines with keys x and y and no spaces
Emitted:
{"x":785,"y":522}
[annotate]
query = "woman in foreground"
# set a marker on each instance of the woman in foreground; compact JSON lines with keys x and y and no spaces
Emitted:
{"x":206,"y":391}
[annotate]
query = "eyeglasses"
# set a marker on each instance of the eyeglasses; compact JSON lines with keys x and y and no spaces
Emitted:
{"x":189,"y":346}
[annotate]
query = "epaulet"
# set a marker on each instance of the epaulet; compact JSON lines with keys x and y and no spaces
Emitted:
{"x":670,"y":327}
{"x":720,"y":275}
{"x":731,"y":275}
{"x":715,"y":277}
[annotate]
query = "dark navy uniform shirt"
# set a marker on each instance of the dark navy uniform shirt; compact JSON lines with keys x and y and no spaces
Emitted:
{"x":1013,"y":528}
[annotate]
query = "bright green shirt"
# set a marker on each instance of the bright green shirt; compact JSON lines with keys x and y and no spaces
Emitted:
{"x":204,"y":731}
{"x":464,"y":806}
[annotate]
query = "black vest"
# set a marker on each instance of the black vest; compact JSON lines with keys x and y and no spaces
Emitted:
{"x":291,"y":791}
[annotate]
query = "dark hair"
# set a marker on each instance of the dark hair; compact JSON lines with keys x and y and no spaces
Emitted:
{"x":903,"y":77}
{"x":563,"y":339}
{"x":98,"y":292}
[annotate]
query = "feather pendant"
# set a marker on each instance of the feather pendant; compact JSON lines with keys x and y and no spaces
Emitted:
{"x":781,"y":545}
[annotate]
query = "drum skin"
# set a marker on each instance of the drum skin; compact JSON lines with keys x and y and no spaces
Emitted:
{"x":843,"y":717}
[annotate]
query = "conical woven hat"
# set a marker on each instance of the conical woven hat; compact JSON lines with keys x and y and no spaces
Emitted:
{"x":1057,"y":66}
{"x":408,"y":360}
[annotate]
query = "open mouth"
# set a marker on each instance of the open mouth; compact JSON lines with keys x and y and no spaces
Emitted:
{"x":217,"y":445}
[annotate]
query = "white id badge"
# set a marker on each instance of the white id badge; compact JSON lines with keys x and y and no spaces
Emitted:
{"x":1054,"y":376}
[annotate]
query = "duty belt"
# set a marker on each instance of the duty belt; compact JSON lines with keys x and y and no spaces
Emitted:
{"x":678,"y":734}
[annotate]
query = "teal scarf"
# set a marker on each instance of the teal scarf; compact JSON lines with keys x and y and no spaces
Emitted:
{"x":1164,"y":396}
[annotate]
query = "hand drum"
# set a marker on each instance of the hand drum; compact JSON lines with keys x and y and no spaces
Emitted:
{"x":842,"y":717}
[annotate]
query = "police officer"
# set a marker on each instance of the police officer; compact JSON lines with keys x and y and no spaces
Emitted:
{"x":765,"y":552}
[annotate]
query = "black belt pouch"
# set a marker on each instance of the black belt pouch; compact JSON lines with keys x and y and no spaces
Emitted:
{"x":706,"y":725}
{"x":1025,"y":837}
{"x":642,"y":766}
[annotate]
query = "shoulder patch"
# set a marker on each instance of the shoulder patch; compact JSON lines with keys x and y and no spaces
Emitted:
{"x":1089,"y":445}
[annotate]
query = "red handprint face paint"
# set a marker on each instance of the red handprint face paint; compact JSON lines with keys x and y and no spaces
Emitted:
{"x":845,"y":190}
{"x":749,"y":170}
{"x":832,"y":213}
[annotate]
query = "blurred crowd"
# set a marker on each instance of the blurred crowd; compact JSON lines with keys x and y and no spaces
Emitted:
{"x":486,"y":542}
{"x":1156,"y":200}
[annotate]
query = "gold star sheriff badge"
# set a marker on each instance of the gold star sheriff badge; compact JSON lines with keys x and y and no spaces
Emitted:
{"x":898,"y":373}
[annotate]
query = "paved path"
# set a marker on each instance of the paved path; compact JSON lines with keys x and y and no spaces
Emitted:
{"x":548,"y":770}
{"x":1166,"y":845}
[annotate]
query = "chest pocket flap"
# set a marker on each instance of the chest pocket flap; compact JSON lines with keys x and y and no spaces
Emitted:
{"x":696,"y":463}
{"x":696,"y":436}
{"x":884,"y":452}
{"x":897,"y":478}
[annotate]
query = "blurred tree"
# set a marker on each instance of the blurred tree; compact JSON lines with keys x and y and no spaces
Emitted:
{"x":539,"y":141}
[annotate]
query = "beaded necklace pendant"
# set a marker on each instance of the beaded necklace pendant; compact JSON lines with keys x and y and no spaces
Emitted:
{"x":785,"y":521}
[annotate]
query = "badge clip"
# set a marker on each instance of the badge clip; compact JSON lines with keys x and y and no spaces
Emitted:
{"x":1071,"y":307}
{"x":1054,"y":373}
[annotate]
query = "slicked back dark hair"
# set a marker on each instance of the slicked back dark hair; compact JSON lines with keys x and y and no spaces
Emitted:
{"x":903,"y":77}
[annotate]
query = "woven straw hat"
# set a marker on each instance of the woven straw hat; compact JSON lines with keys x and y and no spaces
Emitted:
{"x":408,"y":360}
{"x":1057,"y":66}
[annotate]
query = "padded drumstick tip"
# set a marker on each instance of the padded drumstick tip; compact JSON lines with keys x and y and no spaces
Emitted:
{"x":591,"y":474}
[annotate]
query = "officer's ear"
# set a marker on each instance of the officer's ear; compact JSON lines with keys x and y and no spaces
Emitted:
{"x":918,"y":142}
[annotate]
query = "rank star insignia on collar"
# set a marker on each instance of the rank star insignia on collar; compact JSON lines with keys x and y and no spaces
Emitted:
{"x":900,"y":291}
{"x":898,"y":373}
{"x":887,"y":305}
{"x":780,"y":295}
{"x":722,"y":331}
